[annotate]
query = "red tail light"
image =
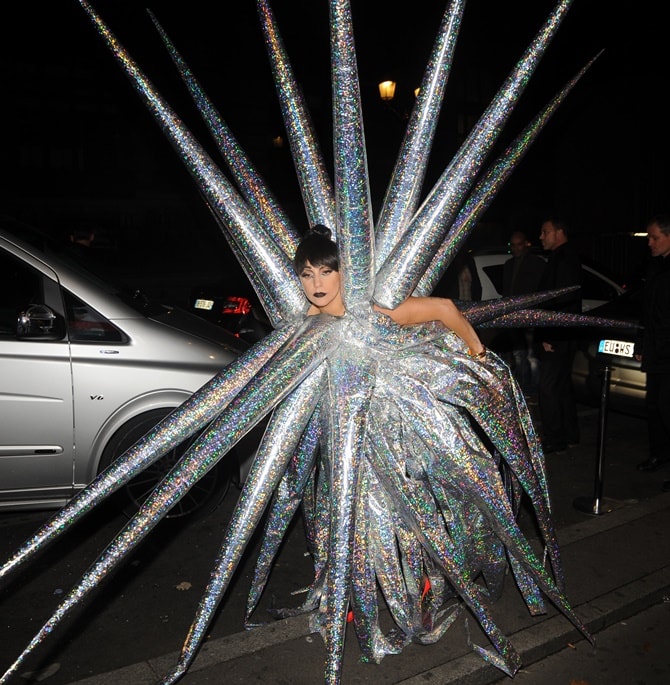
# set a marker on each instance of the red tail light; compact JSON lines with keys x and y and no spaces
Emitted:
{"x":236,"y":305}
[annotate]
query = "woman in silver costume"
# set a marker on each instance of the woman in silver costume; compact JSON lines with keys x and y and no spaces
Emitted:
{"x":447,"y":450}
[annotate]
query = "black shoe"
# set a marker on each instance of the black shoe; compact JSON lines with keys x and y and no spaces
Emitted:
{"x":549,"y":447}
{"x":652,"y":464}
{"x":666,"y":486}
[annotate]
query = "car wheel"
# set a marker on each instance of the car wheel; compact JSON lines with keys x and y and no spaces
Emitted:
{"x":204,"y":496}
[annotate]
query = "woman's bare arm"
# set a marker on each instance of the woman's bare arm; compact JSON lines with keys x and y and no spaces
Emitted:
{"x":423,"y":309}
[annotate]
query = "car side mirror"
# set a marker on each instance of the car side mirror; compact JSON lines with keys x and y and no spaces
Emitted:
{"x":37,"y":322}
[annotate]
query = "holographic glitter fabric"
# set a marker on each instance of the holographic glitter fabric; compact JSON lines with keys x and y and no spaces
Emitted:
{"x":408,"y":456}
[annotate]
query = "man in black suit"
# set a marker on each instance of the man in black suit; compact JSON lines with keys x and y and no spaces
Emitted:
{"x":558,"y":409}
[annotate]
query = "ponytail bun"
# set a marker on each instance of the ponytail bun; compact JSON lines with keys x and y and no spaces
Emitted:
{"x":317,"y":248}
{"x":321,"y":231}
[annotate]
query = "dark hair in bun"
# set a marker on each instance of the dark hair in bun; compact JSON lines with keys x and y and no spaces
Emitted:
{"x":317,"y":248}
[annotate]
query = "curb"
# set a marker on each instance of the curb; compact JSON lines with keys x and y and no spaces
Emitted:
{"x":548,"y":637}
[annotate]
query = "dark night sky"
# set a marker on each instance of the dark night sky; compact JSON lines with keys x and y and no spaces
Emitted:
{"x":601,"y":161}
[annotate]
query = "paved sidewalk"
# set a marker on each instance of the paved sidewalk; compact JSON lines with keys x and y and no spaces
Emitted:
{"x":617,"y":565}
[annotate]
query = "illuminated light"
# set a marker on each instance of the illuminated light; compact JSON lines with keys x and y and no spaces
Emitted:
{"x":387,"y":90}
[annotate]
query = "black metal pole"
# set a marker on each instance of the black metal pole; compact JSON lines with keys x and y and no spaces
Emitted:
{"x":602,"y":432}
{"x":594,"y":505}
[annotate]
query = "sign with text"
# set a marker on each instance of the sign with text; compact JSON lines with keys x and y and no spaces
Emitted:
{"x":620,"y":348}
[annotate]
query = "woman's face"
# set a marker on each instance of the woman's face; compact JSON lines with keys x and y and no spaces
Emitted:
{"x":322,"y":288}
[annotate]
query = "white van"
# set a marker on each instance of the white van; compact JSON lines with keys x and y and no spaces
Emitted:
{"x":85,"y":372}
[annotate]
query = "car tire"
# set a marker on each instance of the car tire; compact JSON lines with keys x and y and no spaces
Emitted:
{"x":202,"y":498}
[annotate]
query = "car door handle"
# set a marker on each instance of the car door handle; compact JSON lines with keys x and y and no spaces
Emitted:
{"x":29,"y":450}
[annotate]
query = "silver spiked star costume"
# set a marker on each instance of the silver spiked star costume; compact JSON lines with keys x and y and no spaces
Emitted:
{"x":408,"y":456}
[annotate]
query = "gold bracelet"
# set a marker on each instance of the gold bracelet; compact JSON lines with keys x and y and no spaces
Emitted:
{"x":479,"y":355}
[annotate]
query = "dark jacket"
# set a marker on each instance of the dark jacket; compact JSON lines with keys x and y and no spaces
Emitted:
{"x":449,"y":284}
{"x":656,"y":317}
{"x":563,"y":269}
{"x":522,"y":275}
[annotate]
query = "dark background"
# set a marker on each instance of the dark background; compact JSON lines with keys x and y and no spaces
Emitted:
{"x":79,"y":147}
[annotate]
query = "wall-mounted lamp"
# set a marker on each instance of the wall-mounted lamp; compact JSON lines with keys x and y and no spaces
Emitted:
{"x":387,"y":90}
{"x":387,"y":94}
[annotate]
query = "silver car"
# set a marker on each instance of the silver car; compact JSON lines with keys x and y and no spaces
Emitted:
{"x":84,"y":373}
